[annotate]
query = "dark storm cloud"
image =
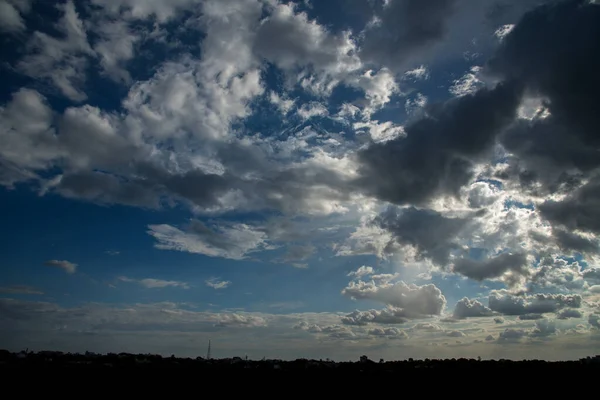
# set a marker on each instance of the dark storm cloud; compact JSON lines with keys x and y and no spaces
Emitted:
{"x":552,"y":54}
{"x":480,"y":270}
{"x":555,"y":52}
{"x":571,"y":241}
{"x":149,"y":185}
{"x":106,"y":188}
{"x":579,"y":210}
{"x":406,"y":28}
{"x":436,"y":156}
{"x":433,"y":235}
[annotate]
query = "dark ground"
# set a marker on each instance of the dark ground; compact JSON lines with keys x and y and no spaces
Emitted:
{"x":113,"y":361}
{"x":151,"y":376}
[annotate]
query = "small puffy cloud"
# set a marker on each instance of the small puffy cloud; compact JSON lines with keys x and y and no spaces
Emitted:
{"x":283,"y":104}
{"x":469,"y":83}
{"x":389,"y":315}
{"x":414,"y":300}
{"x":498,"y":320}
{"x":470,"y":308}
{"x":152,"y":283}
{"x":427,"y":327}
{"x":291,"y":40}
{"x":418,"y":73}
{"x":313,"y":109}
{"x":240,"y":321}
{"x":512,"y":335}
{"x":390,"y":333}
{"x":543,"y":328}
{"x":362,"y":271}
{"x":379,"y":131}
{"x":338,"y":332}
{"x":305,"y":326}
{"x":504,"y":30}
{"x":67,"y":266}
{"x":217,"y":283}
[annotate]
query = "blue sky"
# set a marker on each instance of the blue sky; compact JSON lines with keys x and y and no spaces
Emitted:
{"x":300,"y":179}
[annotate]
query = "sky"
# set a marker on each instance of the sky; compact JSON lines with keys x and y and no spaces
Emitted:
{"x":309,"y":179}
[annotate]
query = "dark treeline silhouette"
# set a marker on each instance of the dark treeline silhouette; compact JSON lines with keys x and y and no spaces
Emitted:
{"x":53,"y":359}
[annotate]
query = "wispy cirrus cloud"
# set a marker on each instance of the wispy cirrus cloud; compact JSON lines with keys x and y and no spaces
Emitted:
{"x":20,"y":289}
{"x":67,"y":266}
{"x":152,"y":283}
{"x":217,"y":283}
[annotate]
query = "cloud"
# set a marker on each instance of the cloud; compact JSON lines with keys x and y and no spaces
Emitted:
{"x":506,"y":303}
{"x":67,"y":266}
{"x":492,"y":268}
{"x":152,"y":283}
{"x":11,"y":19}
{"x":432,"y":234}
{"x":162,"y":10}
{"x":296,"y":254}
{"x":569,"y":313}
{"x":234,"y":241}
{"x":362,"y":271}
{"x":555,"y":151}
{"x":157,"y":317}
{"x":338,"y":332}
{"x":291,"y":40}
{"x":413,"y":300}
{"x":404,"y":29}
{"x":305,"y":326}
{"x":594,"y":320}
{"x":239,"y":321}
{"x":427,"y":327}
{"x":390,"y":333}
{"x":447,"y":138}
{"x":512,"y":335}
{"x":436,"y":156}
{"x":466,"y":308}
{"x":20,"y":289}
{"x":389,"y":315}
{"x":455,"y":334}
{"x":217,"y":283}
{"x":543,"y":328}
{"x":62,"y":61}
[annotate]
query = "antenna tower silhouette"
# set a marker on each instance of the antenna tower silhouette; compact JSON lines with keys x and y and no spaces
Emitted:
{"x":208,"y":355}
